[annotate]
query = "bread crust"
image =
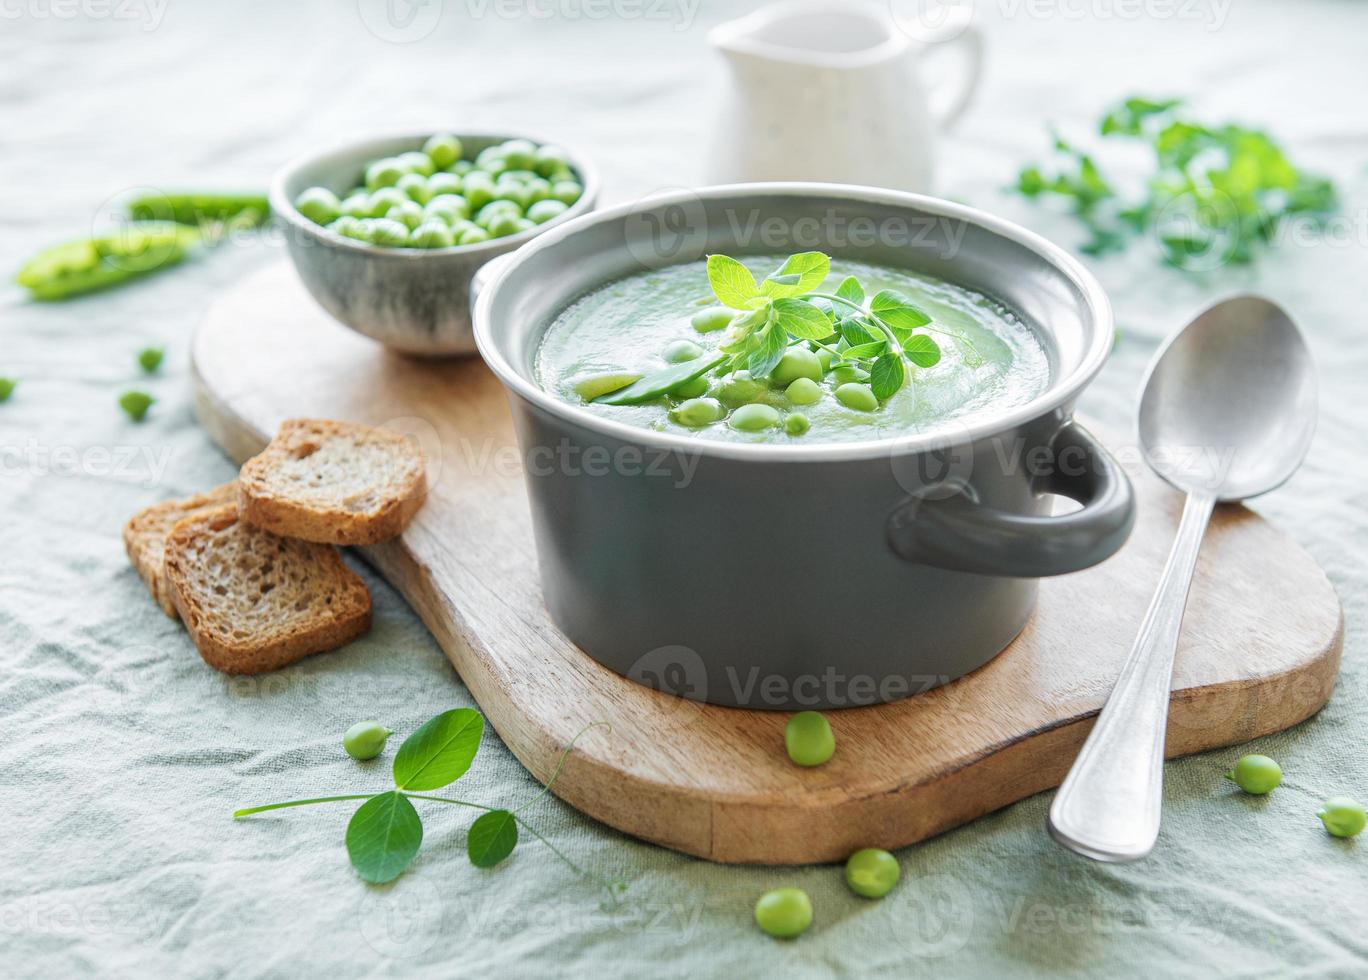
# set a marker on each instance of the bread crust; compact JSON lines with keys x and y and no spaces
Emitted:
{"x":306,"y":599}
{"x":146,"y":532}
{"x":303,"y":486}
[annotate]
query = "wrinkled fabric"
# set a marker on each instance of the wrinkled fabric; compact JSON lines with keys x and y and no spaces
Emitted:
{"x":123,"y":755}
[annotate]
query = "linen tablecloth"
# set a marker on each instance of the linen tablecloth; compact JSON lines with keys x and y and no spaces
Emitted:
{"x":123,"y":755}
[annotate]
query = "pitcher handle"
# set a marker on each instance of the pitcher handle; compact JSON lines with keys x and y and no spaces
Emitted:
{"x":955,"y":38}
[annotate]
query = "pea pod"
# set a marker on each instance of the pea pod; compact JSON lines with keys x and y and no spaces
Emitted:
{"x":74,"y":268}
{"x":662,"y":382}
{"x":244,"y":210}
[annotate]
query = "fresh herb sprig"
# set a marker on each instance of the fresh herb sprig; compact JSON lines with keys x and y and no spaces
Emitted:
{"x":1216,"y":191}
{"x":786,"y":308}
{"x":385,"y":832}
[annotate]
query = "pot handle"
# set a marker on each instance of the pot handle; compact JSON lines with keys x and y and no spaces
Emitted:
{"x":961,"y":535}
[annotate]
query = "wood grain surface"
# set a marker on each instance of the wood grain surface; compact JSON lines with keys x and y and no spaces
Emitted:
{"x":1260,"y":648}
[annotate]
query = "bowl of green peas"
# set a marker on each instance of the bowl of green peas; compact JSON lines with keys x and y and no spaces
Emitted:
{"x":388,"y":233}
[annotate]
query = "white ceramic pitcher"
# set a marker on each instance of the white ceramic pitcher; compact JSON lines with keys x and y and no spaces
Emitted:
{"x":835,"y":90}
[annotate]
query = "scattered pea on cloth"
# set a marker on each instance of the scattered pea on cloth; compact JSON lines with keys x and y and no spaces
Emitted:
{"x":784,"y":912}
{"x":365,"y":740}
{"x":1342,"y":816}
{"x":1256,"y":774}
{"x":433,"y":198}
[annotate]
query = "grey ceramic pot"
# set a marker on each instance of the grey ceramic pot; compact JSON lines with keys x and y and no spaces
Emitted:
{"x":412,"y":300}
{"x":805,"y":574}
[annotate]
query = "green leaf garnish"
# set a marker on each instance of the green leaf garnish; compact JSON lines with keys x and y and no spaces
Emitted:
{"x":150,"y":358}
{"x":440,"y":752}
{"x":801,"y":319}
{"x":887,"y":375}
{"x":897,"y":311}
{"x":773,"y":341}
{"x":850,"y":289}
{"x":1217,"y":195}
{"x":662,"y":382}
{"x":801,"y":273}
{"x":383,"y":837}
{"x":731,"y":282}
{"x":491,"y":838}
{"x":136,"y":404}
{"x":922,"y":351}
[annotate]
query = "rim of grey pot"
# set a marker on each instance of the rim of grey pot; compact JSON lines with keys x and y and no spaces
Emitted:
{"x":1061,"y":390}
{"x":282,"y":201}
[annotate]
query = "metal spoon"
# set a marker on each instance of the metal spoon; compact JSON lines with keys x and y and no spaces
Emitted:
{"x":1226,"y":412}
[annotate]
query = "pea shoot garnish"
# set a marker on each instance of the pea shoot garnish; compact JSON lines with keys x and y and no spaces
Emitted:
{"x":778,"y":327}
{"x":135,"y":404}
{"x":385,"y":833}
{"x":150,"y":358}
{"x":7,"y":386}
{"x":1216,"y":191}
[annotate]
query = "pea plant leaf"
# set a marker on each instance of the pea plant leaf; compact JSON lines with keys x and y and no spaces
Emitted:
{"x":922,"y":351}
{"x":773,"y":343}
{"x":857,"y":333}
{"x":850,"y":289}
{"x":383,"y":836}
{"x":440,"y":751}
{"x":897,"y":311}
{"x":491,"y":838}
{"x":801,"y":319}
{"x":732,"y":283}
{"x":801,"y":273}
{"x":887,"y":375}
{"x":862,"y":351}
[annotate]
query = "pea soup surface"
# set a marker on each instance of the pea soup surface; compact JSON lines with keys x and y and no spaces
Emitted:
{"x":991,"y":360}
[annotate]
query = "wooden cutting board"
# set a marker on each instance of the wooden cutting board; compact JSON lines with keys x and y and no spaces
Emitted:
{"x":1260,"y":650}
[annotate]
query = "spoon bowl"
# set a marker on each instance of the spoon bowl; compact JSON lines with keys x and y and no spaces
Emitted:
{"x":1229,"y":405}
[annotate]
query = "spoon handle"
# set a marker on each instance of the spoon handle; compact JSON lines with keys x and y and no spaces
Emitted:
{"x":1108,"y":806}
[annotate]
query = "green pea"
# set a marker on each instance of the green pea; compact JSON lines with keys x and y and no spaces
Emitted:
{"x":416,"y":187}
{"x":408,"y":214}
{"x":432,"y":234}
{"x":524,"y":225}
{"x":150,"y":358}
{"x":350,"y":227}
{"x":511,"y":190}
{"x":596,"y":385}
{"x":797,"y":362}
{"x":697,"y":412}
{"x":551,"y":160}
{"x":1256,"y":774}
{"x":462,"y":167}
{"x":755,"y":417}
{"x":825,"y":356}
{"x":804,"y":391}
{"x":473,"y":236}
{"x":449,"y":208}
{"x":857,"y":396}
{"x":389,"y":233}
{"x":443,"y":150}
{"x":796,"y":424}
{"x":712,"y":319}
{"x":135,"y":404}
{"x":384,"y":173}
{"x":479,"y":190}
{"x":543,"y":211}
{"x":416,"y":162}
{"x":365,"y":739}
{"x":489,"y":155}
{"x":681,"y":351}
{"x":741,"y":389}
{"x":319,"y":205}
{"x":691,"y":389}
{"x":808,"y":738}
{"x":502,"y":225}
{"x":519,"y":154}
{"x":1342,"y":816}
{"x":384,"y":199}
{"x":846,"y":373}
{"x":7,"y":386}
{"x":356,"y":205}
{"x":568,"y":191}
{"x":443,"y":183}
{"x":784,"y":912}
{"x":494,"y":210}
{"x":872,"y":872}
{"x":538,"y":189}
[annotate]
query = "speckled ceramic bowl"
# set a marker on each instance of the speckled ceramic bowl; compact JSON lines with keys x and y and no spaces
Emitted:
{"x":413,"y":300}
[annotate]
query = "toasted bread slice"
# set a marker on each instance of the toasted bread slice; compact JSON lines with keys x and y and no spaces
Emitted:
{"x":333,"y":482}
{"x":146,"y":531}
{"x":253,"y":601}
